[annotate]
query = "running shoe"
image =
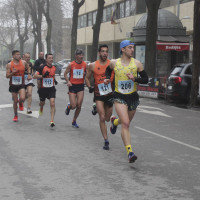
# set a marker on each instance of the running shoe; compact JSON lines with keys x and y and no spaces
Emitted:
{"x":94,"y":109}
{"x":106,"y":145}
{"x":67,"y":109}
{"x":21,"y":106}
{"x":29,"y":111}
{"x":40,"y":111}
{"x":113,"y":128}
{"x":15,"y":119}
{"x":75,"y":125}
{"x":132,"y":157}
{"x":52,"y":124}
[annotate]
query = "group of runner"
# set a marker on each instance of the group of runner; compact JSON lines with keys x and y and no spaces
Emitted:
{"x":115,"y":82}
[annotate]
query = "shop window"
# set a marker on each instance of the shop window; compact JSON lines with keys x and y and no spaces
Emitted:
{"x":140,"y":6}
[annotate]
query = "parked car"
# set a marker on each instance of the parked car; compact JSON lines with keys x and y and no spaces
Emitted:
{"x":64,"y":61}
{"x":58,"y":67}
{"x":179,"y":82}
{"x":63,"y":71}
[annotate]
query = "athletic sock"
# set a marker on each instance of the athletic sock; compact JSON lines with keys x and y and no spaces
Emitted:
{"x":116,"y":122}
{"x":106,"y":140}
{"x":128,"y":149}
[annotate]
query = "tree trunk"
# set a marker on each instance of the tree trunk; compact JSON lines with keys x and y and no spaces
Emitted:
{"x":196,"y":54}
{"x":151,"y":36}
{"x":96,"y":30}
{"x":76,"y":7}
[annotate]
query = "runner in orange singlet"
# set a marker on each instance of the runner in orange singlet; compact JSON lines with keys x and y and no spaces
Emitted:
{"x":102,"y":93}
{"x":15,"y":72}
{"x":77,"y":70}
{"x":47,"y":89}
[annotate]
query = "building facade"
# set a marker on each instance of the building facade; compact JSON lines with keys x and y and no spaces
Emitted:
{"x":126,"y":14}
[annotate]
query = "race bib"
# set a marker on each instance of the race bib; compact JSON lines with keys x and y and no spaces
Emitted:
{"x":26,"y":79}
{"x":47,"y":82}
{"x":78,"y":73}
{"x":125,"y":87}
{"x":104,"y":89}
{"x":17,"y":80}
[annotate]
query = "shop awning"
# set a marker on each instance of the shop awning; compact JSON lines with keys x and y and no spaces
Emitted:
{"x":168,"y":46}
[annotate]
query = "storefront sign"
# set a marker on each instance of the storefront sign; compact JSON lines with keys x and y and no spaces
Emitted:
{"x":172,"y":46}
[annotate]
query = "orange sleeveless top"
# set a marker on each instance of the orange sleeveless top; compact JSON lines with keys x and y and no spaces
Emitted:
{"x":18,"y":78}
{"x":99,"y":75}
{"x":77,"y":72}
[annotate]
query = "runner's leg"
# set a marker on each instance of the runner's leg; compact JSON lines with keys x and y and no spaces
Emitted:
{"x":15,"y":101}
{"x":102,"y":118}
{"x":53,"y":109}
{"x":29,"y":94}
{"x":79,"y":96}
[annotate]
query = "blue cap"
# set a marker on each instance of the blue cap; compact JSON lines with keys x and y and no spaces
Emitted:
{"x":125,"y":43}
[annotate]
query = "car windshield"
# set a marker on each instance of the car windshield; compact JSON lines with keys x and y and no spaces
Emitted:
{"x":177,"y":70}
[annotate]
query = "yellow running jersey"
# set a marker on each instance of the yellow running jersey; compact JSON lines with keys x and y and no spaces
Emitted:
{"x":123,"y":84}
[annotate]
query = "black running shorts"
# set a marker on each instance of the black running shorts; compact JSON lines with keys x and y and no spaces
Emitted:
{"x":47,"y":93}
{"x":108,"y":99}
{"x":16,"y":88}
{"x":75,"y":88}
{"x":131,"y":100}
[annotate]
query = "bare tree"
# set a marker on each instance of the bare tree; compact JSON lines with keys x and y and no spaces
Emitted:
{"x":21,"y":13}
{"x":8,"y":29}
{"x":46,"y":12}
{"x":96,"y":29}
{"x":76,"y":7}
{"x":36,"y":11}
{"x":151,"y":36}
{"x":196,"y":54}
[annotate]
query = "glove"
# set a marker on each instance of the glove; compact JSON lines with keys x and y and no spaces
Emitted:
{"x":46,"y":74}
{"x":91,"y":89}
{"x":56,"y":82}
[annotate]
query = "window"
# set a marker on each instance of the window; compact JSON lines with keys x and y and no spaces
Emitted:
{"x":94,"y":14}
{"x":127,"y":8}
{"x":84,"y":20}
{"x":89,"y":21}
{"x":132,"y":7}
{"x":140,"y":6}
{"x":79,"y":25}
{"x":108,"y":13}
{"x":189,"y":70}
{"x":104,"y":15}
{"x":121,"y":11}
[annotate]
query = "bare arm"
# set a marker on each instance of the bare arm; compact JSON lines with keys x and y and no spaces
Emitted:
{"x":89,"y":74}
{"x":109,"y":70}
{"x":65,"y":75}
{"x":8,"y":71}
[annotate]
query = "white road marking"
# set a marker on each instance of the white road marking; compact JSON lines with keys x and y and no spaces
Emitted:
{"x":33,"y":114}
{"x":6,"y":105}
{"x":167,"y":138}
{"x":152,"y":110}
{"x":150,"y":107}
{"x":24,"y":112}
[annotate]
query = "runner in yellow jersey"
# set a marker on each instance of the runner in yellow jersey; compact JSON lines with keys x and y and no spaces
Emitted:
{"x":125,"y":96}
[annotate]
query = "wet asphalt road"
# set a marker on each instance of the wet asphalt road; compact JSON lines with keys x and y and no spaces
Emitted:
{"x":38,"y":163}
